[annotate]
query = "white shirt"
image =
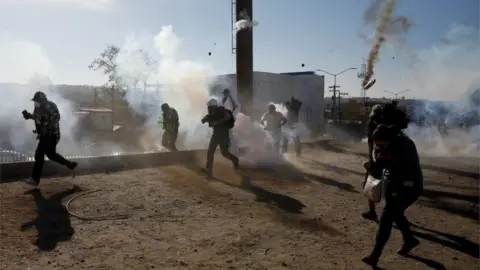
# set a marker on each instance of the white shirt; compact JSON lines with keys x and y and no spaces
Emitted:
{"x":273,"y":120}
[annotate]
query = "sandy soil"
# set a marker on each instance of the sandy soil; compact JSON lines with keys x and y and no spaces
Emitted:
{"x":304,"y":216}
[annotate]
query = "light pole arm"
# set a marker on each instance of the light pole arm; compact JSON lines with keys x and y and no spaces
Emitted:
{"x":324,"y":71}
{"x":386,"y":91}
{"x":343,"y":71}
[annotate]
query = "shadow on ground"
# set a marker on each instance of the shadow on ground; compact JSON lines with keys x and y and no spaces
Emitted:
{"x":287,"y":210}
{"x":467,"y":207}
{"x":53,"y":221}
{"x":328,"y":145}
{"x":428,"y":262}
{"x":460,"y":244}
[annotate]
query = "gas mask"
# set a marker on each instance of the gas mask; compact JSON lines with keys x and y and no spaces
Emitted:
{"x":36,"y":104}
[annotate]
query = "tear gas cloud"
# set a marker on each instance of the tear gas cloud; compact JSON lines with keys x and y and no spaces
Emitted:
{"x":24,"y":69}
{"x":444,"y":75}
{"x":449,"y":75}
{"x":186,"y":86}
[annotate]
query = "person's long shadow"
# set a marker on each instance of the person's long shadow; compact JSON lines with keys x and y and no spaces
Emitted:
{"x":435,"y":194}
{"x":330,"y":182}
{"x":428,"y":262}
{"x":53,"y":220}
{"x":283,"y":202}
{"x":457,"y":243}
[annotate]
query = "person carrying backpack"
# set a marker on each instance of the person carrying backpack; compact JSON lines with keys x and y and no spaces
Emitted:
{"x":221,"y":120}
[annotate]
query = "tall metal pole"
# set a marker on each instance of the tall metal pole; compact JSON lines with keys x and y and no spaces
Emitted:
{"x":244,"y":57}
{"x":334,"y":89}
{"x":397,"y":93}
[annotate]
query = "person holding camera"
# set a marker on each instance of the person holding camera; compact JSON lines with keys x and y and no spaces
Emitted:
{"x":221,"y":120}
{"x":396,"y":154}
{"x":47,"y":118}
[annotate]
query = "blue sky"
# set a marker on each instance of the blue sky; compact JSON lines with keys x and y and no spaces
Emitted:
{"x":322,"y":34}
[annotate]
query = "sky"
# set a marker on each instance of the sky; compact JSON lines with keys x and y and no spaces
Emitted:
{"x":319,"y":34}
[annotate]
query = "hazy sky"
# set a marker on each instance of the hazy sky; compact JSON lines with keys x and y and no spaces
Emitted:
{"x":322,"y":34}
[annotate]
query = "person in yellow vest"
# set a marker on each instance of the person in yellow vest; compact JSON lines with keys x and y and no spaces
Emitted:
{"x":169,"y":121}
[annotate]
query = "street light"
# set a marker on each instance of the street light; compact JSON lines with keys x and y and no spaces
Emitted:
{"x":397,"y":93}
{"x":335,"y":86}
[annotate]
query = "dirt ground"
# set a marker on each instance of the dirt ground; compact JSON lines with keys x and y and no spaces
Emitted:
{"x":303,"y":216}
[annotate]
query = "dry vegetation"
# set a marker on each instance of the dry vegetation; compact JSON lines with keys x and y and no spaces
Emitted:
{"x":306,"y":216}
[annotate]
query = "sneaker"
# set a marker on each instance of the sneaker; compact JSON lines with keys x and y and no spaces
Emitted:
{"x":371,"y":260}
{"x":31,"y":182}
{"x":72,"y":166}
{"x":408,"y":246}
{"x":236,"y":165}
{"x":370,"y":215}
{"x":207,"y":172}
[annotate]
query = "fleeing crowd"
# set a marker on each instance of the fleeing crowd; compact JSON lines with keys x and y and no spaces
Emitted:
{"x":393,"y":157}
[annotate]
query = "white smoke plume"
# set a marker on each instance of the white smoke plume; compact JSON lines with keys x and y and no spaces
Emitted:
{"x":24,"y":69}
{"x":184,"y":86}
{"x":187,"y":86}
{"x":445,"y":75}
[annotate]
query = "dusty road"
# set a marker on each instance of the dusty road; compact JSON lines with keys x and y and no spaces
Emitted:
{"x":304,"y":216}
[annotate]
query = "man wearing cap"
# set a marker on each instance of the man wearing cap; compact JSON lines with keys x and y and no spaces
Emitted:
{"x":47,"y":118}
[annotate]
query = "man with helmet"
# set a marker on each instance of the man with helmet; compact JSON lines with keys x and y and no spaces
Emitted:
{"x":170,"y":123}
{"x":47,"y":118}
{"x":221,"y":120}
{"x":273,"y":121}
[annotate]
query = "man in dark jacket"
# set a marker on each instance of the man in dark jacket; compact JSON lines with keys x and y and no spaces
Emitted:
{"x":47,"y":118}
{"x":220,"y":119}
{"x":403,"y":181}
{"x":170,"y":127}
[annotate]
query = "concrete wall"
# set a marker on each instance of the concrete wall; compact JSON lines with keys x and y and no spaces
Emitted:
{"x":278,"y":88}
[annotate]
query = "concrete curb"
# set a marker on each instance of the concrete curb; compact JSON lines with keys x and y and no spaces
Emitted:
{"x":10,"y":172}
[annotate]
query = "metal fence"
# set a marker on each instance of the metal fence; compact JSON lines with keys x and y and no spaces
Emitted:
{"x":9,"y":156}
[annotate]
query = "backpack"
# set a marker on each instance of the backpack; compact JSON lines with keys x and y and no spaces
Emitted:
{"x":231,"y":123}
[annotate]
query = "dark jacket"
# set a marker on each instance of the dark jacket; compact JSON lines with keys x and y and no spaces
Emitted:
{"x":372,"y":124}
{"x":216,"y":114}
{"x":402,"y":175}
{"x":47,"y":120}
{"x":170,"y":120}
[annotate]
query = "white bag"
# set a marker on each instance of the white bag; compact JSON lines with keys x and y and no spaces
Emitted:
{"x":373,"y":189}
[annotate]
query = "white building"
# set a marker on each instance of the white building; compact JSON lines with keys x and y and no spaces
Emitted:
{"x":307,"y":87}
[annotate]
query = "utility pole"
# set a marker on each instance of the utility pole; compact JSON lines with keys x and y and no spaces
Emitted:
{"x":340,"y":94}
{"x":397,"y":93}
{"x":334,"y":88}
